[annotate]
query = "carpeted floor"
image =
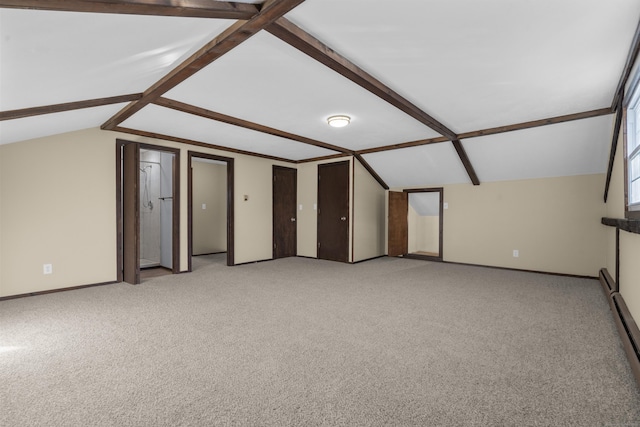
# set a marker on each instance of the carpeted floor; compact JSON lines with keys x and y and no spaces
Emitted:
{"x":302,"y":342}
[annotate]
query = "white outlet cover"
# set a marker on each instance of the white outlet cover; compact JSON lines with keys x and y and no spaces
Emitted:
{"x":47,"y":269}
{"x":445,"y":205}
{"x":204,"y":206}
{"x":300,"y":208}
{"x":516,"y":253}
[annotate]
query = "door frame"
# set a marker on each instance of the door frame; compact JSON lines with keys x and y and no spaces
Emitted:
{"x":273,"y":214}
{"x":230,"y":204}
{"x":175,"y":245}
{"x":440,"y":190}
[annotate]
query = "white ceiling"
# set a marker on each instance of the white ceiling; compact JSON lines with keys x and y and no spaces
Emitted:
{"x":470,"y":64}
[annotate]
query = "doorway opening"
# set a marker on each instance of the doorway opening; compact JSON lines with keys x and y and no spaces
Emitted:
{"x":416,"y":223}
{"x":147,"y":185}
{"x":210,"y":209}
{"x":424,"y":224}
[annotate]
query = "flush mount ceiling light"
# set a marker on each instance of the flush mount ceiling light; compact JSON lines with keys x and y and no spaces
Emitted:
{"x":339,"y":121}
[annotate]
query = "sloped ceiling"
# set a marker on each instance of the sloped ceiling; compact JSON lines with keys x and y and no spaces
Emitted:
{"x":412,"y":74}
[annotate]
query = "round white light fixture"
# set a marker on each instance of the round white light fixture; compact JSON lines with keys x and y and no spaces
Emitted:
{"x":338,"y":121}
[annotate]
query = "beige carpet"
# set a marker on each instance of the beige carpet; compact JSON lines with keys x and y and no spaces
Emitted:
{"x":301,"y":342}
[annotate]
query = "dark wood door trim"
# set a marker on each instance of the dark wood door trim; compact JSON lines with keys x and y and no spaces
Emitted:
{"x":280,"y":217}
{"x":230,"y":204}
{"x":397,"y":239}
{"x":120,"y":190}
{"x":130,"y":213}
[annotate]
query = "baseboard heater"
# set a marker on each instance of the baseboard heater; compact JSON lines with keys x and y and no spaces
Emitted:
{"x":627,"y":327}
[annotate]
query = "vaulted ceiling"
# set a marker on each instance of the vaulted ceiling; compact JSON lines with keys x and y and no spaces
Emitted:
{"x":439,"y":91}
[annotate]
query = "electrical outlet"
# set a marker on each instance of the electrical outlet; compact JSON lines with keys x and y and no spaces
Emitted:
{"x":516,"y":253}
{"x":47,"y":268}
{"x":204,"y":206}
{"x":445,"y":205}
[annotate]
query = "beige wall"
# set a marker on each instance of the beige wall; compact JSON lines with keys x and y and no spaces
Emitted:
{"x":58,"y":206}
{"x":209,"y":224}
{"x":629,"y":278}
{"x":368,"y":215}
{"x":553,"y":222}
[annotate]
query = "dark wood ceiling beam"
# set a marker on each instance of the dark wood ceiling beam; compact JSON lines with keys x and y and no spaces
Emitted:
{"x":405,"y":145}
{"x":371,"y":171}
{"x":198,"y":143}
{"x":321,"y":158}
{"x":632,"y":56}
{"x":182,"y":8}
{"x":229,"y":39}
{"x":67,"y":106}
{"x":536,"y":123}
{"x":466,"y":162}
{"x":208,"y":114}
{"x":493,"y":131}
{"x":614,"y":147}
{"x":306,"y":43}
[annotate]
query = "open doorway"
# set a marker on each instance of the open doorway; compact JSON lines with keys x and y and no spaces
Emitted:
{"x":424,"y":221}
{"x":147,"y":182}
{"x":415,"y":223}
{"x":210,"y":209}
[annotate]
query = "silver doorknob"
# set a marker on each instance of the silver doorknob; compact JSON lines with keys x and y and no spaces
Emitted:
{"x":344,"y":218}
{"x":293,"y":220}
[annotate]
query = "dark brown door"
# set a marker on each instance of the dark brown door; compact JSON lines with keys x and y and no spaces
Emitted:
{"x":398,"y":225}
{"x":284,"y":212}
{"x":333,"y":211}
{"x":131,"y":213}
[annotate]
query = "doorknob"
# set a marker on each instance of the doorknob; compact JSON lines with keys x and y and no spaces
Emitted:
{"x":293,"y":220}
{"x":344,"y":218}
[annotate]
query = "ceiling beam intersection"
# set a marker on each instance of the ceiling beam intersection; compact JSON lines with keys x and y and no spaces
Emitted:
{"x":225,"y":42}
{"x":495,"y":130}
{"x":309,"y":45}
{"x":179,"y":8}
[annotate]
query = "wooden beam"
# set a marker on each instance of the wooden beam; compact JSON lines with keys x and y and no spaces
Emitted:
{"x":67,"y":106}
{"x":466,"y":162}
{"x":321,"y":158}
{"x":493,"y":131}
{"x":405,"y":145}
{"x":373,"y":173}
{"x":536,"y":123}
{"x":183,"y":8}
{"x":306,"y":43}
{"x":197,"y":143}
{"x":190,"y":109}
{"x":229,"y":39}
{"x":614,"y":146}
{"x":632,"y":56}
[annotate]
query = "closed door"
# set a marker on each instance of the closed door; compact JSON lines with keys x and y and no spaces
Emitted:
{"x":398,"y":226}
{"x":333,"y":211}
{"x":284,"y":212}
